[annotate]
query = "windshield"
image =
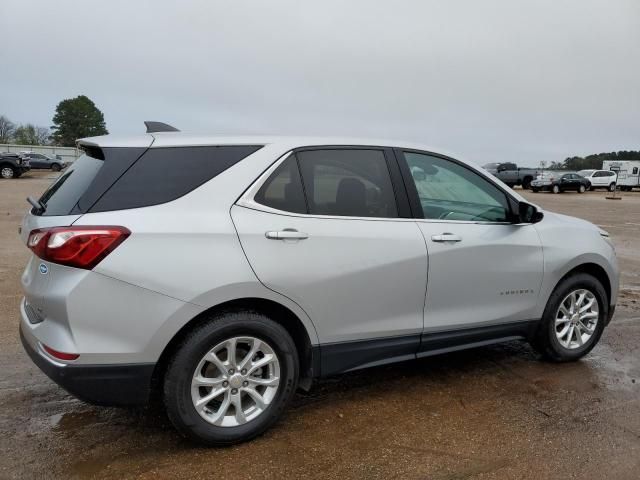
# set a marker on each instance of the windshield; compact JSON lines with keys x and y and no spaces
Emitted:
{"x":585,"y":173}
{"x":64,"y":193}
{"x":491,"y":166}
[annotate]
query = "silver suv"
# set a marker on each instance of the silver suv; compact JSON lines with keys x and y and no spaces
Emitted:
{"x":221,"y":274}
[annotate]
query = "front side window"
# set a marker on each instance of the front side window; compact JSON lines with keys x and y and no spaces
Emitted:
{"x":347,"y":182}
{"x":449,"y":191}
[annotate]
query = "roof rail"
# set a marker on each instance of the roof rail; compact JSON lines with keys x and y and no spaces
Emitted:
{"x":154,"y":127}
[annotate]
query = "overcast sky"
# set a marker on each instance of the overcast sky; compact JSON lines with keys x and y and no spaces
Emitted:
{"x":523,"y":81}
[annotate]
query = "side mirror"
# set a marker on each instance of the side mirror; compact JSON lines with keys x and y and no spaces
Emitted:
{"x":527,"y":213}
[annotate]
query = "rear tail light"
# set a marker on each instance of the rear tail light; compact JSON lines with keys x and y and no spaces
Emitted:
{"x":81,"y":247}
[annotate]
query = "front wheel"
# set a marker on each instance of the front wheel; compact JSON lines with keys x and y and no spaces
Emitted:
{"x":581,"y":189}
{"x":535,"y":190}
{"x":56,"y":167}
{"x":573,"y":319}
{"x":555,"y":189}
{"x":612,"y":187}
{"x":231,"y":378}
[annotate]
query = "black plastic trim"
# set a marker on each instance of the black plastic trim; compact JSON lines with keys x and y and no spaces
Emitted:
{"x":344,"y":356}
{"x":469,"y":337}
{"x":335,"y":358}
{"x":107,"y":385}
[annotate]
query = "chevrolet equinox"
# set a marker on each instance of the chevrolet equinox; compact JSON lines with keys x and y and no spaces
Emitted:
{"x":222,"y":273}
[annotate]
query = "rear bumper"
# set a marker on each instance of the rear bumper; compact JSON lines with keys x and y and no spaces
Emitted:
{"x":109,"y":385}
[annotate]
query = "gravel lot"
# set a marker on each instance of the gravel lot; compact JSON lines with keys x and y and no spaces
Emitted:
{"x":496,"y":412}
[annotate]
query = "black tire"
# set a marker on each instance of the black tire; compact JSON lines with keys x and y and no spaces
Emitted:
{"x":535,"y":190}
{"x":526,"y":183}
{"x":7,"y":172}
{"x":556,"y":189}
{"x":612,"y":187}
{"x":56,"y":167}
{"x":177,"y":380}
{"x":546,"y":341}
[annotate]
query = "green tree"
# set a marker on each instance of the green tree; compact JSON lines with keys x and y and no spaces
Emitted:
{"x":77,"y":118}
{"x":30,"y":134}
{"x":594,"y":161}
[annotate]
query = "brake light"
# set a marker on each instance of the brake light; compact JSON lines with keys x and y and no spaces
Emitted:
{"x":81,"y":247}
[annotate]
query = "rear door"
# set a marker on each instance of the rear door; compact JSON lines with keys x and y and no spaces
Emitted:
{"x":483,"y":269}
{"x":330,"y":229}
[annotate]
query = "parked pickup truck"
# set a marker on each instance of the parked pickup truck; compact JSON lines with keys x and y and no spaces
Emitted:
{"x":510,"y":174}
{"x":13,"y":165}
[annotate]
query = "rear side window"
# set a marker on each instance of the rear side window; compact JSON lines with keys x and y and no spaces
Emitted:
{"x":61,"y":197}
{"x":165,"y":174}
{"x":347,"y":182}
{"x":283,"y":189}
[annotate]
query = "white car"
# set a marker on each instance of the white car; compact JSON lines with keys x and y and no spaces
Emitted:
{"x":219,"y":274}
{"x":600,"y":178}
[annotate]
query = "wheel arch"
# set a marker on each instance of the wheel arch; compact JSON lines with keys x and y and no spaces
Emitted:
{"x":595,"y":271}
{"x":309,"y":363}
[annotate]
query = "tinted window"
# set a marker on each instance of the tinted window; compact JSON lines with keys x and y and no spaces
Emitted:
{"x":61,"y":197}
{"x":283,"y":189}
{"x":164,"y":174}
{"x":635,"y":171}
{"x":347,"y":182}
{"x":449,"y":191}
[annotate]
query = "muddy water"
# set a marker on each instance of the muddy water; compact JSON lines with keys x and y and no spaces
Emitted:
{"x":495,"y":412}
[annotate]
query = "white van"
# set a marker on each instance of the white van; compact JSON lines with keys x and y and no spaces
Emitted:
{"x":628,"y":172}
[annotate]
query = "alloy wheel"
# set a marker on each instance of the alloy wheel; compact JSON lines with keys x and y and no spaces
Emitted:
{"x":576,"y":319}
{"x":235,"y":382}
{"x":6,"y":172}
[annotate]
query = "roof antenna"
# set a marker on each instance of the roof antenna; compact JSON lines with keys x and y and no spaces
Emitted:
{"x":155,"y":127}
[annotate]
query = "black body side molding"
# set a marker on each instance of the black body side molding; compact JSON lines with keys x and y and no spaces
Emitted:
{"x":334,"y":358}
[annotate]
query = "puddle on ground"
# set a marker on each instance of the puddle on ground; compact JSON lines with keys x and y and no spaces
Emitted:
{"x":70,"y":421}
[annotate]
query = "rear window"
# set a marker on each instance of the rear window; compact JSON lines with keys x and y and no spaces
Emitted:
{"x":120,"y":178}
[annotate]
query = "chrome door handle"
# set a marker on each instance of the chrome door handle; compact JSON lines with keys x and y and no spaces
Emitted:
{"x":286,"y":234}
{"x":446,"y":237}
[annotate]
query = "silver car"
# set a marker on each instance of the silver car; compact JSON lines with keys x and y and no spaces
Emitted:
{"x":221,"y":274}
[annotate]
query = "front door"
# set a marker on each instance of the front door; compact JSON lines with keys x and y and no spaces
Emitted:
{"x":324,"y":230}
{"x":483,"y":270}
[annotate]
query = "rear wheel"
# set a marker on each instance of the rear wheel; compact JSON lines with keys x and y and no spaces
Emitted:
{"x":555,"y":189}
{"x":231,"y":378}
{"x":526,"y":183}
{"x":535,"y":190}
{"x":573,"y":319}
{"x":7,"y":172}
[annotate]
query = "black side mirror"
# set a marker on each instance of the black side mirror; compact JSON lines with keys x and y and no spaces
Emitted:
{"x":527,"y":213}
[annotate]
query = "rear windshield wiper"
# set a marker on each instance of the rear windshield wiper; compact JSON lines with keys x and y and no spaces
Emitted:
{"x":37,"y":204}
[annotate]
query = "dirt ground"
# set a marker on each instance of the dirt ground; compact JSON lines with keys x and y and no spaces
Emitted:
{"x":490,"y":413}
